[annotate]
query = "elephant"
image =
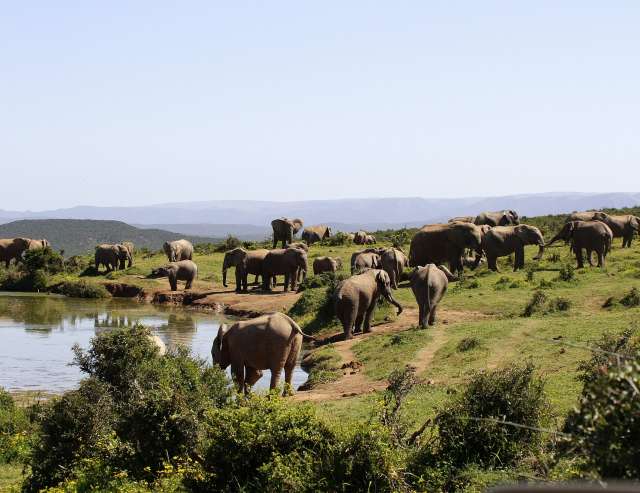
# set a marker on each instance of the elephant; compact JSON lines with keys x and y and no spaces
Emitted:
{"x":360,"y":237}
{"x":625,"y":226}
{"x":429,"y":285}
{"x":439,"y":243}
{"x":284,"y":230}
{"x":268,"y":342}
{"x":182,"y":270}
{"x":314,"y":234}
{"x":107,"y":255}
{"x":462,"y":219}
{"x":370,"y":240}
{"x":593,"y":236}
{"x":365,"y":260}
{"x":501,"y":241}
{"x":356,"y":299}
{"x":354,"y":255}
{"x":351,"y":237}
{"x":131,"y":249}
{"x":178,"y":250}
{"x":583,"y":216}
{"x":245,"y":262}
{"x":393,"y":261}
{"x":159,"y":343}
{"x":283,"y":261}
{"x":302,"y":274}
{"x":39,"y":244}
{"x":326,"y":264}
{"x":498,"y":218}
{"x":473,"y":263}
{"x":124,"y":256}
{"x":12,"y":249}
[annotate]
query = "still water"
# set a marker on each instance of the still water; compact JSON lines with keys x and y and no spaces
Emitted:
{"x":38,"y":331}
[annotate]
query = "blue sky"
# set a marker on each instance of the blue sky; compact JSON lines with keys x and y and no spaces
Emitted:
{"x":131,"y":103}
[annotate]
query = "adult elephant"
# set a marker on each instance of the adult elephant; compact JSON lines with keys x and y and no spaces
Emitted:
{"x":326,"y":264}
{"x":245,"y":262}
{"x":39,"y":244}
{"x":355,"y":254}
{"x":370,"y":240}
{"x":302,"y":274}
{"x":462,"y":219}
{"x":178,"y":250}
{"x":498,"y":218}
{"x":107,"y":255}
{"x":365,"y":260}
{"x":440,"y":243}
{"x":583,"y":216}
{"x":130,"y":249}
{"x":269,"y":342}
{"x":624,"y":226}
{"x":284,"y":230}
{"x":124,"y":256}
{"x":429,"y":285}
{"x":360,"y":237}
{"x":315,"y":234}
{"x":356,"y":299}
{"x":592,"y":236}
{"x":283,"y":261}
{"x":393,"y":261}
{"x":501,"y":241}
{"x":12,"y":249}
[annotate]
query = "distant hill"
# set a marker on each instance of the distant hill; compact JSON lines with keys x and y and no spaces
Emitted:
{"x":77,"y":236}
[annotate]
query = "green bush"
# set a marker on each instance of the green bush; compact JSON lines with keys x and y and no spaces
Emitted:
{"x":472,"y":429}
{"x":229,"y":243}
{"x":631,"y":299}
{"x":136,"y":413}
{"x":14,"y":426}
{"x":605,"y":427}
{"x":328,"y":279}
{"x":567,"y":273}
{"x":467,"y":344}
{"x":536,"y":304}
{"x":337,"y":239}
{"x":608,"y":351}
{"x":559,"y":304}
{"x":83,"y":289}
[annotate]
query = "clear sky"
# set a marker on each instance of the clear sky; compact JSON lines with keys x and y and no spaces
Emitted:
{"x":131,"y":103}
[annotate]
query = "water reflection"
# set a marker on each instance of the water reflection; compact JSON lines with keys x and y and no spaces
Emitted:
{"x":38,"y":332}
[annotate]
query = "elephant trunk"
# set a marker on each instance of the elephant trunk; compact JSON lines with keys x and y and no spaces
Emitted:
{"x":391,"y":299}
{"x":224,"y":276}
{"x":540,"y":252}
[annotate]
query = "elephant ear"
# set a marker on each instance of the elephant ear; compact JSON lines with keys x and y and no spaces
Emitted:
{"x":522,"y":233}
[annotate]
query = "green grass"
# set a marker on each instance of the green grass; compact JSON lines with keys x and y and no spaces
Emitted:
{"x":324,"y":365}
{"x":10,"y":477}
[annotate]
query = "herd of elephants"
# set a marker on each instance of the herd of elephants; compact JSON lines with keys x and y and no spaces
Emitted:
{"x":273,"y":341}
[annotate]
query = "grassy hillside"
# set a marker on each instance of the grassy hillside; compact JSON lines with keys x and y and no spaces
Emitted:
{"x":78,"y":236}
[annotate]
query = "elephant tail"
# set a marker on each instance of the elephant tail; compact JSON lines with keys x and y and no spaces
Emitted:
{"x":299,"y":330}
{"x":607,"y":244}
{"x":427,"y":292}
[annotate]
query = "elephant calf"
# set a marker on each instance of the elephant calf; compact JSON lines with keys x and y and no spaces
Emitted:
{"x":393,"y":261}
{"x":429,"y":285}
{"x":365,"y":260}
{"x":284,"y":261}
{"x":184,"y":270}
{"x":269,"y":342}
{"x":592,"y":236}
{"x":326,"y":264}
{"x":356,"y":299}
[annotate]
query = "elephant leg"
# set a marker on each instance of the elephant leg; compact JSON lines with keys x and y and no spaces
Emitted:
{"x":275,"y":377}
{"x":578,"y":252}
{"x":287,"y":280}
{"x":255,"y":280}
{"x":368,"y":316}
{"x":188,"y":284}
{"x":518,"y":261}
{"x":252,"y":376}
{"x":358,"y":324}
{"x":432,"y":315}
{"x":423,"y":314}
{"x":237,"y":373}
{"x":394,"y":280}
{"x":492,"y":263}
{"x":600,"y":258}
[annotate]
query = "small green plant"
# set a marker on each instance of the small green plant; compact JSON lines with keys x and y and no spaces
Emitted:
{"x":536,"y":304}
{"x":531,"y":273}
{"x":337,"y":239}
{"x":545,"y":284}
{"x":400,"y":238}
{"x":473,"y":284}
{"x":554,"y":258}
{"x":229,"y":243}
{"x":567,"y":273}
{"x":467,"y":344}
{"x":631,"y":299}
{"x":608,"y":352}
{"x":503,"y":283}
{"x":559,"y":304}
{"x":14,"y":424}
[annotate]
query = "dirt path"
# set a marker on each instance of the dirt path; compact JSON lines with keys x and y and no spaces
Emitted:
{"x":354,"y":382}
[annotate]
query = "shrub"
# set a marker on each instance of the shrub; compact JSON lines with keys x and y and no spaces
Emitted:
{"x":43,"y":259}
{"x":474,"y":284}
{"x":544,"y":284}
{"x":322,"y":280}
{"x":567,"y":273}
{"x":400,"y":238}
{"x":559,"y":305}
{"x":471,"y":430}
{"x":83,"y":289}
{"x":535,"y":304}
{"x":13,"y":430}
{"x":77,"y":263}
{"x":605,"y":427}
{"x":531,"y":272}
{"x":631,"y":299}
{"x":608,"y":351}
{"x":503,"y":283}
{"x":229,"y":243}
{"x":337,"y":239}
{"x":467,"y":344}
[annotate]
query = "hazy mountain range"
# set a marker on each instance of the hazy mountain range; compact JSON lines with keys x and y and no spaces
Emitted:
{"x":250,"y":219}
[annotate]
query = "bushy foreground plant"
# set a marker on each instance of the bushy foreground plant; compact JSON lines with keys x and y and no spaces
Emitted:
{"x":83,"y":289}
{"x":14,"y":426}
{"x":608,"y":352}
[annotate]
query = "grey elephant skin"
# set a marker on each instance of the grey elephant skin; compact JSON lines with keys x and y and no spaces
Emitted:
{"x":498,"y":218}
{"x":178,"y":250}
{"x":246,"y":262}
{"x":269,"y":342}
{"x":365,"y":260}
{"x":184,"y":270}
{"x":315,"y":234}
{"x":393,"y":261}
{"x":440,"y":243}
{"x":107,"y":255}
{"x":39,"y":244}
{"x":592,"y":236}
{"x":360,"y":237}
{"x":283,"y":261}
{"x":462,"y":219}
{"x":326,"y":264}
{"x":125,"y":256}
{"x":429,"y":285}
{"x":502,"y":241}
{"x":284,"y":230}
{"x":130,"y":248}
{"x":12,"y":249}
{"x":356,"y":299}
{"x":625,"y":226}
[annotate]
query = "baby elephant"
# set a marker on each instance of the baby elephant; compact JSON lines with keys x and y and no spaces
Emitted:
{"x":429,"y":284}
{"x":357,"y":296}
{"x":184,"y":270}
{"x":326,"y":264}
{"x":269,"y":342}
